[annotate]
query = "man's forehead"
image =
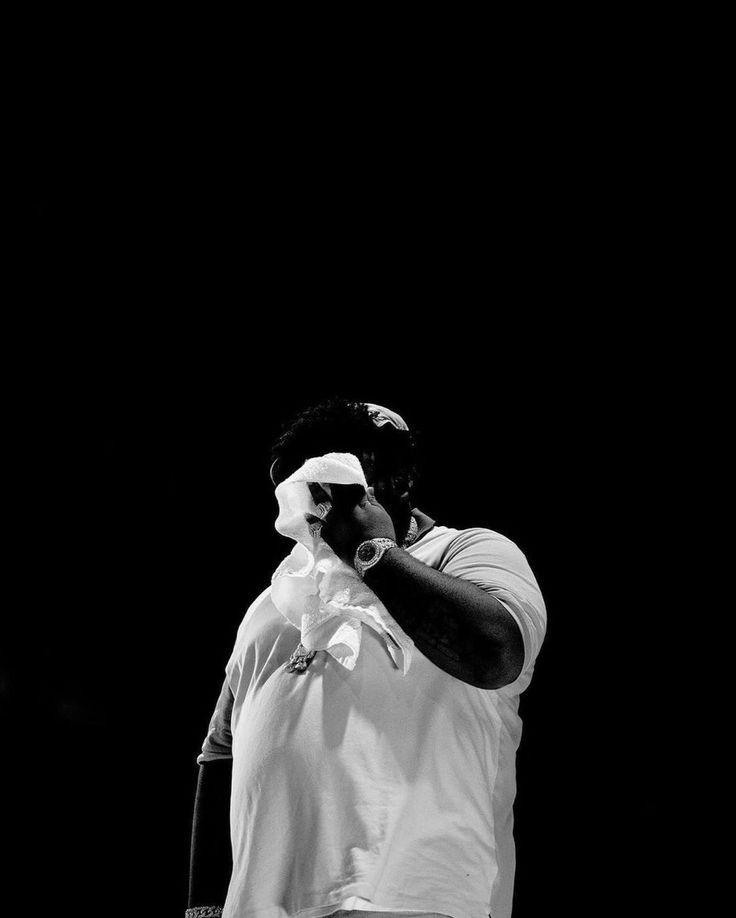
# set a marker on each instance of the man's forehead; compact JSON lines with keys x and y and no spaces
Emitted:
{"x":368,"y":461}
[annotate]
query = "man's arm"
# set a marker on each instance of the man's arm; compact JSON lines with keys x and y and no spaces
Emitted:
{"x":211,"y":856}
{"x":460,"y":627}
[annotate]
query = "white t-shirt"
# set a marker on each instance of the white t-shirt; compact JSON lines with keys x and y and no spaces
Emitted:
{"x":369,"y":789}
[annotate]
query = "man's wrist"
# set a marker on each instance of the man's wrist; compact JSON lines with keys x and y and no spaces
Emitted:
{"x":370,"y":553}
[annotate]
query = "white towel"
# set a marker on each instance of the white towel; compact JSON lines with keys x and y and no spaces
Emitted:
{"x":316,"y":591}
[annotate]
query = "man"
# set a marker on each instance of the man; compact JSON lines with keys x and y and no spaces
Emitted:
{"x":371,"y":790}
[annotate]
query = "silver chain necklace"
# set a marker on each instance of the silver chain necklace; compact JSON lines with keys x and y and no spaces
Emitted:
{"x":411,"y":535}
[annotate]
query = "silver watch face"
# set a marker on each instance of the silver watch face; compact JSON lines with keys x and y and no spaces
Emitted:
{"x":367,"y":552}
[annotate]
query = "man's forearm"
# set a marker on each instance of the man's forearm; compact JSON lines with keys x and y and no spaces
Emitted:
{"x":461,"y":628}
{"x":211,"y":856}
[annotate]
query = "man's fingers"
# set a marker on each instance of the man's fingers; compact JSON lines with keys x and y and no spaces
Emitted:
{"x":319,"y":495}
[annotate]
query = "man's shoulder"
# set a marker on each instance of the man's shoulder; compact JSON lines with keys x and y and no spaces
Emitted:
{"x":446,"y":535}
{"x":443,"y":543}
{"x":481,"y":532}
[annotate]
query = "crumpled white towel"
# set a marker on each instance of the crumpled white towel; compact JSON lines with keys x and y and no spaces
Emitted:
{"x":315,"y":590}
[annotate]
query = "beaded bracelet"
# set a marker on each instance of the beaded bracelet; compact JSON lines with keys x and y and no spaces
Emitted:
{"x":204,"y":911}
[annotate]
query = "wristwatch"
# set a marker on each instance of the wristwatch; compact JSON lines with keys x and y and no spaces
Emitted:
{"x":370,"y":553}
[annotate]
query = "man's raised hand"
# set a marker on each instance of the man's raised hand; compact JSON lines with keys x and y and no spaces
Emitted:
{"x":354,"y":517}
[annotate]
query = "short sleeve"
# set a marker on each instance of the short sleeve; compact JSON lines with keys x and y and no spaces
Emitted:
{"x":218,"y":742}
{"x":497,"y":565}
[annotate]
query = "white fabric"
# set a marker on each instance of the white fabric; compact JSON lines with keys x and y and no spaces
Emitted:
{"x":317,"y":592}
{"x":365,"y":790}
{"x":382,"y":416}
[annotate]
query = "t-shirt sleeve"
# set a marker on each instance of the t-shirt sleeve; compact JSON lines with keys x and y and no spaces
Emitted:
{"x":497,"y":565}
{"x":219,"y":740}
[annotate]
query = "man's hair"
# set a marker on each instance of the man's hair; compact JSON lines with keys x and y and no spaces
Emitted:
{"x":338,"y":425}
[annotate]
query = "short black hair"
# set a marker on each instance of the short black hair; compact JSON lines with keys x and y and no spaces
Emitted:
{"x":338,"y":425}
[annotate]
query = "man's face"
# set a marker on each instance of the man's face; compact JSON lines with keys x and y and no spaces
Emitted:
{"x":391,"y":491}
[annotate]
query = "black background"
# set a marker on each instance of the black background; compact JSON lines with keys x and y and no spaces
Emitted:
{"x":192,"y":280}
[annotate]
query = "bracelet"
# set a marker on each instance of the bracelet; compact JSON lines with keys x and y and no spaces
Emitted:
{"x":204,"y":911}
